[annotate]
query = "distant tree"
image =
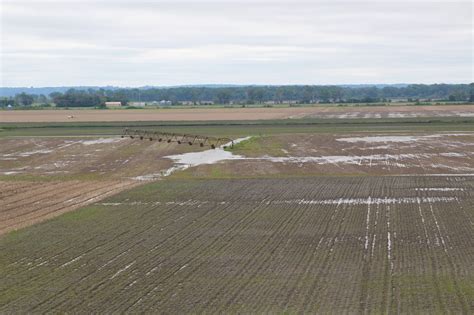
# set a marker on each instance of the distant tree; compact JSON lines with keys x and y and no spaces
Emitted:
{"x":460,"y":95}
{"x":307,"y":94}
{"x":117,"y":96}
{"x":24,"y":99}
{"x":336,"y":93}
{"x":255,"y":95}
{"x":324,"y":94}
{"x":42,"y":99}
{"x":194,"y":96}
{"x":54,"y":95}
{"x":258,"y":94}
{"x":4,"y":101}
{"x":78,"y":98}
{"x":279,"y":94}
{"x":224,"y":96}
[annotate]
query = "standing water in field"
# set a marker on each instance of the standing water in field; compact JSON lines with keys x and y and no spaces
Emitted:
{"x":206,"y":157}
{"x":187,"y":160}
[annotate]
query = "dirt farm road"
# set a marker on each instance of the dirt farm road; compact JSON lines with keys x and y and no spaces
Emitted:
{"x":208,"y":114}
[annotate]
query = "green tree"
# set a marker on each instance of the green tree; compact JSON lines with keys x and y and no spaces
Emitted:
{"x":255,"y":95}
{"x":224,"y":96}
{"x":307,"y":94}
{"x":24,"y":99}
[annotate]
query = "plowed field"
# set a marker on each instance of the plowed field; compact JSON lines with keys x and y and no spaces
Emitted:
{"x":25,"y":203}
{"x":41,"y":178}
{"x":328,"y":244}
{"x":215,"y":114}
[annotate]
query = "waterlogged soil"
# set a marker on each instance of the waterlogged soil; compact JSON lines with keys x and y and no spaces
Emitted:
{"x":351,"y":154}
{"x":94,"y":157}
{"x":41,"y":178}
{"x":55,"y":171}
{"x":365,"y":244}
{"x":397,"y":240}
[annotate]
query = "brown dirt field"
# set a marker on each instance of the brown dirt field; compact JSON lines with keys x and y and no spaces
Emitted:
{"x":92,"y":158}
{"x":41,"y":178}
{"x":208,"y":114}
{"x":26,"y":203}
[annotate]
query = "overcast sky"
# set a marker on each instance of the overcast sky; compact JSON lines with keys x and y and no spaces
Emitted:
{"x":136,"y":43}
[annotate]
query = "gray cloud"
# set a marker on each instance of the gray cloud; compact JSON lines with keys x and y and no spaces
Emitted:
{"x":187,"y":42}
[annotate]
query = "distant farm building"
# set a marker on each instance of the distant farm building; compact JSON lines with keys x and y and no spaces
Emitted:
{"x":206,"y":103}
{"x":165,"y":102}
{"x":269,"y":103}
{"x":138,"y":104}
{"x":113,"y":104}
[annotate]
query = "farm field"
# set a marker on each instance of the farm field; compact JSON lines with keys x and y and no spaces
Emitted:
{"x":43,"y":177}
{"x":396,"y":244}
{"x":219,"y":114}
{"x":364,"y":218}
{"x":24,"y":203}
{"x":236,"y":157}
{"x":365,"y":154}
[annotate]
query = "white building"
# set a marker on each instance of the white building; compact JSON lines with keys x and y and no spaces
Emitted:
{"x":113,"y":104}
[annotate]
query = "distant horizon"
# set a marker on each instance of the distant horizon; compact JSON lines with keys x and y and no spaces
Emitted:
{"x":226,"y":85}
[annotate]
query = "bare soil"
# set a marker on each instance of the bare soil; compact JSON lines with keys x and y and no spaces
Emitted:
{"x":26,"y":203}
{"x":41,"y":178}
{"x":207,"y":114}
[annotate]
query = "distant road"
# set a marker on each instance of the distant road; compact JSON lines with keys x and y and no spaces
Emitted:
{"x":84,"y":115}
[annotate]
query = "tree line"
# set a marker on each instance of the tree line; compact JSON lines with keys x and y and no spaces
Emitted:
{"x":250,"y":95}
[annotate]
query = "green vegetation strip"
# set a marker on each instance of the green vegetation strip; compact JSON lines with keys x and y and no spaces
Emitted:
{"x":238,"y":128}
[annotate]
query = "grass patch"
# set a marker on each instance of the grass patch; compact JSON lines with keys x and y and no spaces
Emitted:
{"x":242,"y":128}
{"x":84,"y":214}
{"x":259,"y":146}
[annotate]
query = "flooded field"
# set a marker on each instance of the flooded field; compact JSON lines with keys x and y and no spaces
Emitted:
{"x":44,"y":177}
{"x":378,"y":221}
{"x":374,"y":154}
